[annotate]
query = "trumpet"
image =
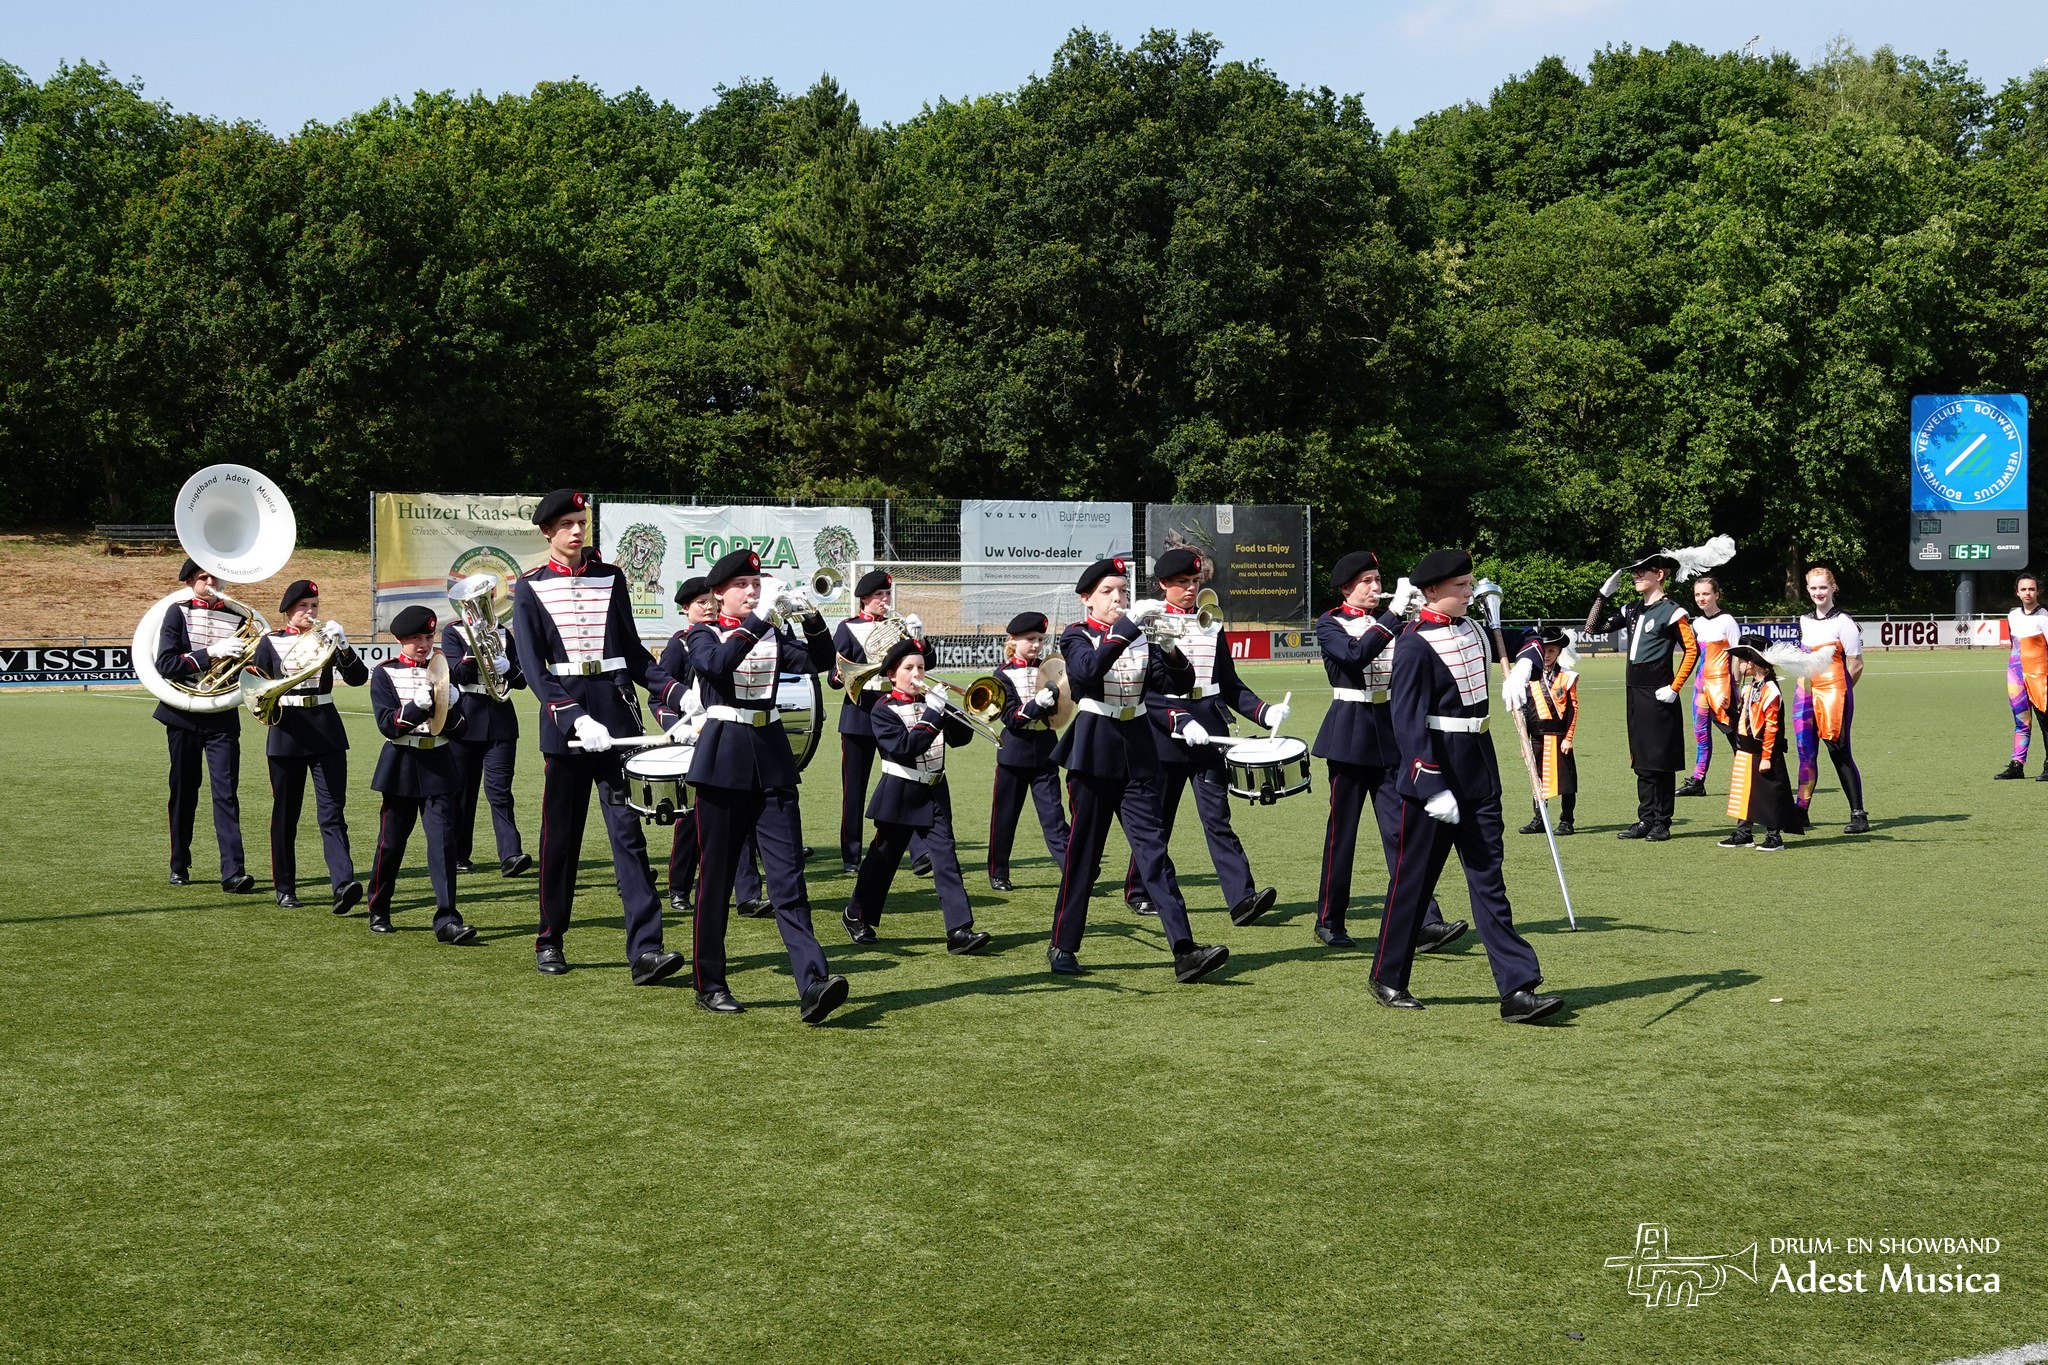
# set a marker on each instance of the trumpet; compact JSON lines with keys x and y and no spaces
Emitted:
{"x":1166,"y":629}
{"x":780,"y":599}
{"x":980,"y":704}
{"x":825,"y":583}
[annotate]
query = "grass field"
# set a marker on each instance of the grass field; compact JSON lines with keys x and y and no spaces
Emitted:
{"x":241,"y":1133}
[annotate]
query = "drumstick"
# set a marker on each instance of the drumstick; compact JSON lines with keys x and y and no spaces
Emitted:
{"x":1274,"y":733}
{"x":632,"y":741}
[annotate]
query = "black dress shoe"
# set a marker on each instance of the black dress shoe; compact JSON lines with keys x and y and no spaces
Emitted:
{"x":1333,"y":936}
{"x":348,"y":898}
{"x":2011,"y":772}
{"x":756,"y":909}
{"x":1859,"y":823}
{"x":1253,"y":906}
{"x":1526,"y":1007}
{"x":464,"y":866}
{"x":180,"y":879}
{"x":857,"y":929}
{"x":1564,"y":827}
{"x":1062,"y":962}
{"x":719,"y":1001}
{"x":550,"y":962}
{"x":1535,"y":826}
{"x":678,"y":902}
{"x":1638,"y":830}
{"x":288,"y":901}
{"x":1393,"y":997}
{"x":515,"y":864}
{"x":381,"y":924}
{"x":455,"y":931}
{"x":241,"y":884}
{"x":1141,"y":904}
{"x":1000,"y":884}
{"x":961,"y":942}
{"x":1434,"y":938}
{"x":808,"y":851}
{"x":1658,"y":834}
{"x":851,"y":869}
{"x":1197,"y":960}
{"x":1692,"y":786}
{"x":653,"y":965}
{"x":821,"y":999}
{"x":921,"y":867}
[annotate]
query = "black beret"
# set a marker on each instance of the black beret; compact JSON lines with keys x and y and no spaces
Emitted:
{"x":1177,"y":561}
{"x":871,"y":582}
{"x":1099,"y":570}
{"x":187,"y":569}
{"x":738,"y":564}
{"x":901,"y":650}
{"x":559,"y":503}
{"x":1351,"y":566}
{"x":690,"y":589}
{"x":1438,"y":565}
{"x":297,"y":593}
{"x":1026,"y":621}
{"x":414,"y":620}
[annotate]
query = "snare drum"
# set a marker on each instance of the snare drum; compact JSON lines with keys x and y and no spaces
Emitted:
{"x":655,"y":788}
{"x":1264,"y":770}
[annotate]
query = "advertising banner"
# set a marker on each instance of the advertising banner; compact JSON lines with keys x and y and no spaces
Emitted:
{"x":421,"y":544}
{"x":658,"y":546}
{"x":1259,"y":556}
{"x":65,"y":665}
{"x":1049,"y":542}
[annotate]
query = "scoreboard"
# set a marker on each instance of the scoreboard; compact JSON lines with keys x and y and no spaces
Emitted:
{"x":1969,"y":478}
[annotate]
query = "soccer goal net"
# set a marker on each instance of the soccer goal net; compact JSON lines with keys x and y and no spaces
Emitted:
{"x":975,"y":596}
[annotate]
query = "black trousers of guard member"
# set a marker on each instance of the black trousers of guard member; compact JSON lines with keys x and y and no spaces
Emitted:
{"x":219,"y":757}
{"x":682,"y":863}
{"x":856,"y":765}
{"x":1006,"y":803}
{"x":1352,"y":785}
{"x":566,"y":783}
{"x":1134,"y":803}
{"x":1212,"y":804}
{"x":885,"y":856}
{"x":330,"y":800}
{"x":1567,"y":780}
{"x":486,"y":766}
{"x":1420,"y":847}
{"x":394,"y":828}
{"x":725,"y":819}
{"x":1656,"y":797}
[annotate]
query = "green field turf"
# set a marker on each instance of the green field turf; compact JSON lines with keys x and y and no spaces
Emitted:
{"x":238,"y":1133}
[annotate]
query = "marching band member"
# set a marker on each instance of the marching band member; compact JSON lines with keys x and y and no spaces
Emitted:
{"x":746,"y":780}
{"x":1553,"y":726}
{"x":1356,"y":741}
{"x":416,"y":775}
{"x":1712,"y":688}
{"x":1024,"y":757}
{"x":1759,"y":792}
{"x":486,"y":752}
{"x":573,"y":623}
{"x":309,"y":738}
{"x":1112,"y":763}
{"x":1450,"y":790}
{"x":1825,"y":705}
{"x":202,"y":741}
{"x":913,"y":728}
{"x":1185,"y":722}
{"x":2026,"y":674}
{"x":853,"y":641}
{"x":1661,"y":653}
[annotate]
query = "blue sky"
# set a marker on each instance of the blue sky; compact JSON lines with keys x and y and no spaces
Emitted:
{"x":284,"y":64}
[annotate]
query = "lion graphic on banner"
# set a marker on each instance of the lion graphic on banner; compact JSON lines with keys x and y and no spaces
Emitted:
{"x":835,"y":547}
{"x":640,"y":553}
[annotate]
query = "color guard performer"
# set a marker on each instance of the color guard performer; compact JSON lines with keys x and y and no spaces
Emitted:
{"x":913,"y":728}
{"x":486,"y":753}
{"x":1024,"y":758}
{"x":1553,"y":727}
{"x":208,"y":743}
{"x":416,"y":775}
{"x":1759,"y":793}
{"x":1824,"y":708}
{"x":309,"y":738}
{"x":1661,"y":654}
{"x":745,"y":778}
{"x":572,"y":621}
{"x":1112,"y":763}
{"x":2026,"y":674}
{"x":856,"y":641}
{"x":1356,"y":741}
{"x":1450,"y":790}
{"x":1184,"y":723}
{"x":1712,"y":686}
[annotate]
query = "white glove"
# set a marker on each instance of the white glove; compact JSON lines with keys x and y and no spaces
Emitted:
{"x":1193,"y":733}
{"x":1666,"y":694}
{"x":1277,"y":714}
{"x":693,"y":702}
{"x":937,"y":702}
{"x":1045,"y":698}
{"x":1407,"y":599}
{"x":1516,"y":690}
{"x":684,"y":731}
{"x":594,"y":737}
{"x":1143,"y":611}
{"x":914,"y":625}
{"x":333,"y":631}
{"x":1443,"y":806}
{"x":1613,"y":583}
{"x":797,"y":602}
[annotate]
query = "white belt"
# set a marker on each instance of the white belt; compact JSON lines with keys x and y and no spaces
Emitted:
{"x":739,"y":714}
{"x":917,"y":775}
{"x":1463,"y":725}
{"x":1103,"y":708}
{"x":1195,"y":693}
{"x":421,"y":741}
{"x":1376,"y":694}
{"x":474,"y":689}
{"x":306,"y":699}
{"x":586,"y":668}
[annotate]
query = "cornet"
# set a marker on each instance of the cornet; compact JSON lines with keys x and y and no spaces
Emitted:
{"x":1167,"y":628}
{"x":825,"y":583}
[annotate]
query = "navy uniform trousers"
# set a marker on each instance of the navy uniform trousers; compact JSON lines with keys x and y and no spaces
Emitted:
{"x":682,"y":862}
{"x":218,"y":756}
{"x":1421,"y":846}
{"x":1352,"y":785}
{"x":486,"y":766}
{"x":566,"y":783}
{"x":394,"y":829}
{"x":856,"y":765}
{"x":1212,"y":806}
{"x":330,"y":804}
{"x":1006,"y":803}
{"x":885,"y":856}
{"x":1134,"y":802}
{"x":725,"y":818}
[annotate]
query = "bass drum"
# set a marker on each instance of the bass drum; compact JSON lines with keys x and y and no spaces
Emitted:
{"x":800,"y":701}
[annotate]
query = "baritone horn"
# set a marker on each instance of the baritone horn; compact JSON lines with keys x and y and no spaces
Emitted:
{"x":265,"y":696}
{"x":477,"y":621}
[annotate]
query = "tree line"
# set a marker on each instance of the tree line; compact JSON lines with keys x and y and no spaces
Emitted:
{"x":1683,"y":293}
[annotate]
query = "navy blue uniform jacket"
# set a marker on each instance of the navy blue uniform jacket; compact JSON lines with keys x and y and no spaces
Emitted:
{"x":401,"y":769}
{"x":483,"y":720}
{"x":606,"y":698}
{"x":1096,"y":744}
{"x":1227,"y":693}
{"x":897,"y":800}
{"x":176,"y":659}
{"x":1027,"y":741}
{"x":740,"y":757}
{"x":1434,"y":761}
{"x":308,"y":731}
{"x":1356,"y":732}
